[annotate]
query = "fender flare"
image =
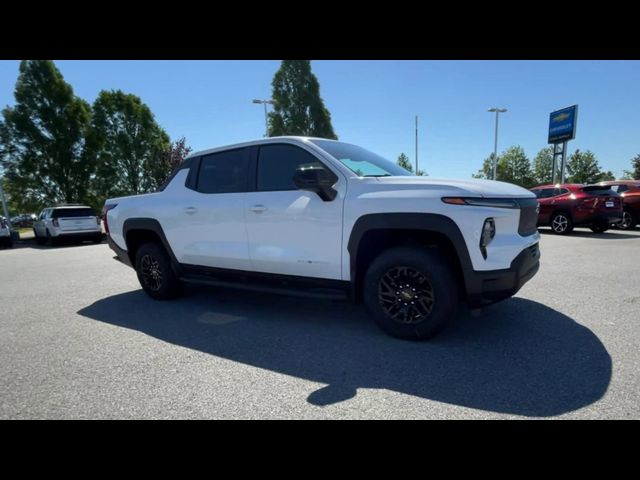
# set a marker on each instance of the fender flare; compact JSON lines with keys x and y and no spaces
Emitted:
{"x":430,"y":222}
{"x":152,"y":225}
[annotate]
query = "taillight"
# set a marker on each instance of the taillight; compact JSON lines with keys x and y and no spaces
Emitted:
{"x":56,"y":223}
{"x":105,"y":209}
{"x":589,"y":202}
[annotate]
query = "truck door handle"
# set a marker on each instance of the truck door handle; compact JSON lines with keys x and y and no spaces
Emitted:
{"x":190,"y":210}
{"x":258,"y":208}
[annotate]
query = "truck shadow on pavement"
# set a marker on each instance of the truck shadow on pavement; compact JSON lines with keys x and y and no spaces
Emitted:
{"x":518,"y":357}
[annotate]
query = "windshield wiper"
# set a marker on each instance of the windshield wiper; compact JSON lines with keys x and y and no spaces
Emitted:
{"x":383,"y":175}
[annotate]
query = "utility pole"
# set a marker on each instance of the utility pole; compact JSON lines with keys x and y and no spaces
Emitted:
{"x":266,"y":115}
{"x":416,"y":145}
{"x":495,"y":143}
{"x":4,"y":205}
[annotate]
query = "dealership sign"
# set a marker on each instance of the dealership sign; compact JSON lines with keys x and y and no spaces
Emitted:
{"x":562,"y":124}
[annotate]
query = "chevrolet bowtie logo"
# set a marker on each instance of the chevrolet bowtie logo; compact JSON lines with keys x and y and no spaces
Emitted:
{"x":561,"y":117}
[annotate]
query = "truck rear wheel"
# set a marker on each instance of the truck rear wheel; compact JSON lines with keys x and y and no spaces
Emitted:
{"x":155,"y":274}
{"x":411,"y":292}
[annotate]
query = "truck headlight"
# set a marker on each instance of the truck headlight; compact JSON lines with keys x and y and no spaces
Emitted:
{"x":488,"y":232}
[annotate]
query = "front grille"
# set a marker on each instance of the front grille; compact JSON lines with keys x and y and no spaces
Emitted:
{"x":528,"y":216}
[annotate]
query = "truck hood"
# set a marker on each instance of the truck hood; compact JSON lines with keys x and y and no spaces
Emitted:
{"x":475,"y":187}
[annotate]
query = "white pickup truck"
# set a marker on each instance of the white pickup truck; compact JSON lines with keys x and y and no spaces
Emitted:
{"x":317,"y":217}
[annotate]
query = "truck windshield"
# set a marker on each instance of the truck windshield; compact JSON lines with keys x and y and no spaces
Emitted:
{"x":360,"y":161}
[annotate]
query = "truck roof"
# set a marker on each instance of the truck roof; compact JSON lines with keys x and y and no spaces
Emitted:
{"x":261,"y":141}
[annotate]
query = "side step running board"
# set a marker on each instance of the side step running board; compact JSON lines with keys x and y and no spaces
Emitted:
{"x":308,"y":292}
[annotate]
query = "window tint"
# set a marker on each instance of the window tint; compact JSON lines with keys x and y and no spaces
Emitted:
{"x":73,"y":212}
{"x":278,"y":163}
{"x":619,"y":188}
{"x":224,"y":172}
{"x":545,"y":192}
{"x":599,"y":190}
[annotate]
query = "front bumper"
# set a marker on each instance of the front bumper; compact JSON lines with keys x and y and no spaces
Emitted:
{"x":485,"y":288}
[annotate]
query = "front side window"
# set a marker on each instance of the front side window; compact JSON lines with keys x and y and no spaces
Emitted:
{"x":361,"y":161}
{"x":277,"y":165}
{"x":224,"y":172}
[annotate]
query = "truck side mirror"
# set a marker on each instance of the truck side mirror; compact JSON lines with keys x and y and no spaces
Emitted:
{"x":316,"y":179}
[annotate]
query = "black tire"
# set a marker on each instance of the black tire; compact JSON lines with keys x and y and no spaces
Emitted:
{"x":6,"y":242}
{"x":435,"y":280}
{"x":51,"y":241}
{"x":39,"y":240}
{"x":599,"y":228}
{"x":97,"y":239}
{"x":155,"y":274}
{"x":629,"y":220}
{"x":561,"y":223}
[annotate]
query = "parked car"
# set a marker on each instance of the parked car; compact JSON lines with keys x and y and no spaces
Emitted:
{"x":569,"y":205}
{"x":5,"y":233}
{"x":25,"y":220}
{"x":629,"y":190}
{"x":323,"y":218}
{"x":68,"y":221}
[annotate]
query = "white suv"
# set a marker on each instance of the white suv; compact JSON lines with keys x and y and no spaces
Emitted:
{"x":68,"y":221}
{"x":5,"y":233}
{"x":319,"y":217}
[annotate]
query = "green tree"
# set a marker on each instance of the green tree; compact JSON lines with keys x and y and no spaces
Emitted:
{"x":298,"y":108}
{"x":42,"y":140}
{"x":128,"y":146}
{"x":170,"y":159}
{"x":543,"y":166}
{"x":486,"y":171}
{"x":607,"y":176}
{"x":634,"y":173}
{"x":404,"y":162}
{"x":513,"y":167}
{"x":583,"y":167}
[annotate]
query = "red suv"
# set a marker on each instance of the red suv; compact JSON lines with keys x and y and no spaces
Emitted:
{"x":563,"y":207}
{"x":629,"y":190}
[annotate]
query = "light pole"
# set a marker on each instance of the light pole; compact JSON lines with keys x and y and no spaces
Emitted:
{"x":266,"y":121}
{"x":495,"y":144}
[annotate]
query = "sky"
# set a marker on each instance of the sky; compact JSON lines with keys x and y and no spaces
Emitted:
{"x":373,"y":103}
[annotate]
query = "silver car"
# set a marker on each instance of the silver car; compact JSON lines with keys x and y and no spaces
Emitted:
{"x":69,"y":221}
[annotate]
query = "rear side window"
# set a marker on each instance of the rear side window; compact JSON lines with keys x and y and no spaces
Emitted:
{"x":224,"y":172}
{"x":619,"y":188}
{"x":545,"y":193}
{"x":599,"y":191}
{"x":278,"y":163}
{"x":73,"y":212}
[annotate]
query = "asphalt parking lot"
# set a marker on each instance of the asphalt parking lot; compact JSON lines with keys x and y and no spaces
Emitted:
{"x":79,"y":339}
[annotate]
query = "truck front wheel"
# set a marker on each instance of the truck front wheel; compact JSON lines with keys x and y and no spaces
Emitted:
{"x":411,"y":292}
